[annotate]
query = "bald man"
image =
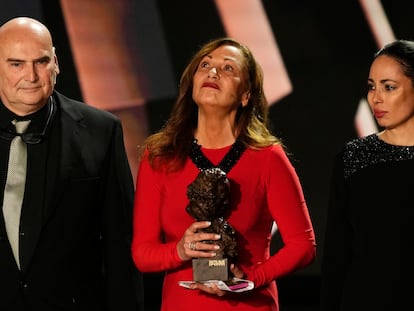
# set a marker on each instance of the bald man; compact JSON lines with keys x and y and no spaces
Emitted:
{"x":74,"y":230}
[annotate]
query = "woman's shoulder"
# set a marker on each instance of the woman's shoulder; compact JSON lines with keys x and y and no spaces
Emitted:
{"x":275,"y":152}
{"x":362,"y":143}
{"x":267,"y":150}
{"x":369,"y":150}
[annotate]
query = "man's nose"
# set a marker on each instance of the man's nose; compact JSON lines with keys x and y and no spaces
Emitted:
{"x":31,"y":74}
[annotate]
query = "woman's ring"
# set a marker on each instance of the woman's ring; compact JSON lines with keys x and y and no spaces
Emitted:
{"x":192,"y":245}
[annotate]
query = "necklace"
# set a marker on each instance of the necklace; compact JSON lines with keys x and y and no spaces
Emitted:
{"x":226,"y":164}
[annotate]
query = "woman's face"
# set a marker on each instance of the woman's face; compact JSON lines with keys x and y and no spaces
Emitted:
{"x":390,"y":94}
{"x":221,"y":80}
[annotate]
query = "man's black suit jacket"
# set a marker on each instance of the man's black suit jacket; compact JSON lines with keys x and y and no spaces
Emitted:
{"x":75,"y":251}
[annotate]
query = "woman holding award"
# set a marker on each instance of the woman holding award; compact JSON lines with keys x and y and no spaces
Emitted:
{"x":219,"y":120}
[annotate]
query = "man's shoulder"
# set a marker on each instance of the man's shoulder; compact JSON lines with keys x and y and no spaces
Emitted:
{"x":75,"y":107}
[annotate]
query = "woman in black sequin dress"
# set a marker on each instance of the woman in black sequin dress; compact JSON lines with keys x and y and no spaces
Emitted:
{"x":367,"y":257}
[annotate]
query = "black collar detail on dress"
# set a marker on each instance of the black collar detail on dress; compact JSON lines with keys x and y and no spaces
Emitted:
{"x":226,"y":164}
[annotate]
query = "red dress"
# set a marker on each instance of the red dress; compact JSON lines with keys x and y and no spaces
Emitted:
{"x":264,"y":188}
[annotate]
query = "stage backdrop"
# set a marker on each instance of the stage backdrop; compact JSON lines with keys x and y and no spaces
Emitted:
{"x":127,"y":56}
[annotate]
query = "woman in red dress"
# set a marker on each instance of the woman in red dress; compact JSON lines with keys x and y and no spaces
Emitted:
{"x":220,"y":120}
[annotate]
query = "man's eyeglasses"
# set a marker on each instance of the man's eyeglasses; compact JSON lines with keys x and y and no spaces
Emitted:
{"x":31,"y":138}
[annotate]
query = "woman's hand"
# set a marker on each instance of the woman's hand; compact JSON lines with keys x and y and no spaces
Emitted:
{"x":237,"y":272}
{"x":191,"y":244}
{"x":212,"y":288}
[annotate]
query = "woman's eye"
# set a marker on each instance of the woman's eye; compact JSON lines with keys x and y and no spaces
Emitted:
{"x":389,"y":87}
{"x":228,"y":68}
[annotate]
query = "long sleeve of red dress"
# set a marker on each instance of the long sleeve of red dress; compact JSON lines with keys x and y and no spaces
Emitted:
{"x":264,"y":189}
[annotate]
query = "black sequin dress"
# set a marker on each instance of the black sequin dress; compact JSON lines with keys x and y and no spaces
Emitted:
{"x":368,"y":261}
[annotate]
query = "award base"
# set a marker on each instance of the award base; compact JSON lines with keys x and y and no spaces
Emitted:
{"x":205,"y":269}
